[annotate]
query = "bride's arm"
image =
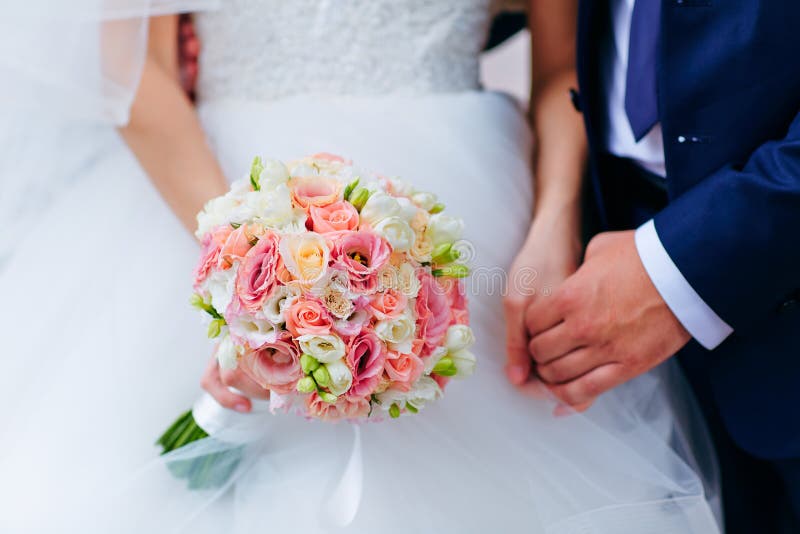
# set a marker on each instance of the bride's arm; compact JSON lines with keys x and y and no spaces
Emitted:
{"x":167,"y":139}
{"x":165,"y":134}
{"x":553,"y":247}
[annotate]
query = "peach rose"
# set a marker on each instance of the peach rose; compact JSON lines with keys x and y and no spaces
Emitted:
{"x":344,"y":408}
{"x":274,"y":366}
{"x":308,"y":317}
{"x":257,"y":274}
{"x":310,"y":191}
{"x":457,"y":297}
{"x":334,"y":217}
{"x":404,"y":369}
{"x":388,"y":304}
{"x":239,"y":242}
{"x":209,"y":256}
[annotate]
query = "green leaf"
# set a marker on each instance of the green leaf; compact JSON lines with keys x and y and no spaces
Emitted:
{"x":350,"y":188}
{"x":255,"y":173}
{"x":437,"y":208}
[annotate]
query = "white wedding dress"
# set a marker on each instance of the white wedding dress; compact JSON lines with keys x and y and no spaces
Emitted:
{"x":101,"y":350}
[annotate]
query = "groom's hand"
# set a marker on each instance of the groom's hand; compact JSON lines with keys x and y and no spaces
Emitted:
{"x":605,"y":325}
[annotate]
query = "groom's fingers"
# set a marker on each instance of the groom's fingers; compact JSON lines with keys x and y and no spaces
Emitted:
{"x":571,"y":366}
{"x":552,"y":344}
{"x":518,"y":363}
{"x":542,"y":315}
{"x":589,"y":386}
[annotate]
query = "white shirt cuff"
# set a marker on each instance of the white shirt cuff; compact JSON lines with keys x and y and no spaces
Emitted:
{"x":691,"y":310}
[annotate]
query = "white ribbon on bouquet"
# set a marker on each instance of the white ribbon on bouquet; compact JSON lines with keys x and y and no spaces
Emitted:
{"x":341,"y":505}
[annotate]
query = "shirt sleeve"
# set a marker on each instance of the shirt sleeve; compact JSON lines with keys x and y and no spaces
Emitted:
{"x":695,"y":315}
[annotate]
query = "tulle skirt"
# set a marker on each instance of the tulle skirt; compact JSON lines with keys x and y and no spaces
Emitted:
{"x":101,"y":352}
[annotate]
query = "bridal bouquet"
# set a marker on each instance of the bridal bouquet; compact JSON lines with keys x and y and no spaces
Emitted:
{"x":337,"y":290}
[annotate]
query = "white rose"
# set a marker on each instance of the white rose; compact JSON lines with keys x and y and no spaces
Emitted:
{"x":407,"y":281}
{"x":444,"y":229}
{"x":227,"y":353}
{"x":464,"y":361}
{"x":240,"y":187}
{"x":255,"y":331}
{"x":397,"y":333}
{"x":272,"y":208}
{"x":401,"y":187}
{"x":397,"y":232}
{"x":424,"y":200}
{"x":216,"y":212}
{"x":380,"y":206}
{"x":221,"y":286}
{"x":341,"y":377}
{"x":279,"y":300}
{"x":459,"y":337}
{"x":326,"y":348}
{"x":423,"y":391}
{"x":408,"y":211}
{"x":437,"y":354}
{"x":272,"y":175}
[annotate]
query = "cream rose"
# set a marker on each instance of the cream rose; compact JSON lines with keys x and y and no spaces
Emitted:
{"x":326,"y":349}
{"x":444,"y":229}
{"x":464,"y":361}
{"x":273,"y":174}
{"x":216,"y":212}
{"x":221,"y":285}
{"x":341,"y":377}
{"x":424,"y":200}
{"x":380,"y":206}
{"x":397,"y":232}
{"x":278,"y":302}
{"x":407,"y":280}
{"x":228,"y":353}
{"x":459,"y":337}
{"x":397,"y":333}
{"x":306,"y":257}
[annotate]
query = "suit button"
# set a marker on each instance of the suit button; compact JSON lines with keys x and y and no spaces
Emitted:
{"x":789,"y":304}
{"x":575,"y":97}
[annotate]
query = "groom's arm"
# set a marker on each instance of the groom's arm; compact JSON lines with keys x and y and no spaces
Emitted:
{"x":734,"y":238}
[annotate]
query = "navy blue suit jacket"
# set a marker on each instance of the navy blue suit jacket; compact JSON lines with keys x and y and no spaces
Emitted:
{"x":729,"y":107}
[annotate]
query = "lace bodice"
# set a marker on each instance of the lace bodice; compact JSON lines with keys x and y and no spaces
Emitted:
{"x":267,"y":49}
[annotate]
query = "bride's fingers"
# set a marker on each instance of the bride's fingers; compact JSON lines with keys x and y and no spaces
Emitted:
{"x":518,"y":363}
{"x":212,"y":383}
{"x":237,"y":379}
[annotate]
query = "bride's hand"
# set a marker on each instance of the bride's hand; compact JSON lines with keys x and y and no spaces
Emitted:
{"x":218,"y":383}
{"x":551,"y":253}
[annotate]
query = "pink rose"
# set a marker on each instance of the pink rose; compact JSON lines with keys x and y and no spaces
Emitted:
{"x":361,"y":255}
{"x":388,"y":304}
{"x":366,"y":357}
{"x":433,"y":312}
{"x":315,"y":191}
{"x":275,"y":366}
{"x":209,"y":255}
{"x":238,"y":244}
{"x":257,"y":274}
{"x":344,"y":408}
{"x":308,"y":317}
{"x":457,"y":297}
{"x":404,"y":369}
{"x":334,"y":217}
